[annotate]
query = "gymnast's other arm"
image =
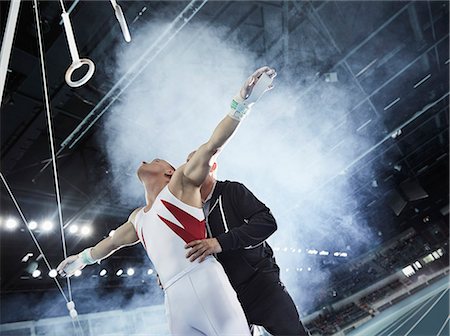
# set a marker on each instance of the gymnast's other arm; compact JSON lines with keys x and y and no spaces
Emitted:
{"x":124,"y":235}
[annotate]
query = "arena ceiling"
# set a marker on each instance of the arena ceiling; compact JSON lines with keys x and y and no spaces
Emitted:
{"x":396,"y":57}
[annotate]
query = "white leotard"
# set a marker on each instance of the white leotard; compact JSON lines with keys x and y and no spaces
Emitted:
{"x":164,"y":231}
{"x":199,"y":298}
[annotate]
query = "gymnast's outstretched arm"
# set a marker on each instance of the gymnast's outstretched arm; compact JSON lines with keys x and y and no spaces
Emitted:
{"x":124,"y":235}
{"x":196,"y":170}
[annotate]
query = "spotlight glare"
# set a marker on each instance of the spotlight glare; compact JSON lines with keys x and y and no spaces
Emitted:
{"x":130,"y":272}
{"x":150,"y":271}
{"x":119,"y":272}
{"x":32,"y":225}
{"x":77,"y":273}
{"x":27,"y":257}
{"x":73,"y":228}
{"x":47,"y":225}
{"x":36,"y":273}
{"x":103,"y":272}
{"x":11,"y":224}
{"x":408,"y":271}
{"x":52,"y":273}
{"x":86,"y":230}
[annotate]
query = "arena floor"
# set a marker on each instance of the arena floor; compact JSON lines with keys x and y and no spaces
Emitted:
{"x":424,"y":313}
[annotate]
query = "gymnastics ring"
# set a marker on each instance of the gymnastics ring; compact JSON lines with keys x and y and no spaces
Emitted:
{"x":76,"y":65}
{"x":76,"y":61}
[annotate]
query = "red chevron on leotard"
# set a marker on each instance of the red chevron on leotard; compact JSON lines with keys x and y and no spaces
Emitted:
{"x":192,"y":229}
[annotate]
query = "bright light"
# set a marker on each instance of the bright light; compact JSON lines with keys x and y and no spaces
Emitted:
{"x":32,"y":225}
{"x":408,"y":271}
{"x":427,"y":259}
{"x":130,"y":271}
{"x":299,"y":250}
{"x":73,"y":228}
{"x":287,"y":269}
{"x":27,"y":257}
{"x":285,"y":249}
{"x":103,"y":272}
{"x":47,"y":225}
{"x":312,"y":251}
{"x":36,"y":273}
{"x":301,"y":269}
{"x":11,"y":224}
{"x":52,"y":273}
{"x":150,"y":271}
{"x":418,"y":264}
{"x":77,"y":273}
{"x":119,"y":272}
{"x":324,"y":253}
{"x":86,"y":230}
{"x":436,"y":255}
{"x":111,"y":233}
{"x":309,"y":269}
{"x":340,"y":254}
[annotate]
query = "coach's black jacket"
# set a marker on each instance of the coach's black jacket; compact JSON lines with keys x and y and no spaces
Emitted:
{"x":241,"y":223}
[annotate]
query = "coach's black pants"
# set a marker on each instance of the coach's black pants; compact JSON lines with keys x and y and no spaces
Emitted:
{"x":267,"y":303}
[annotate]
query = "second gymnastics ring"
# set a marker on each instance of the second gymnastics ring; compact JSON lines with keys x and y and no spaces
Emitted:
{"x":76,"y":65}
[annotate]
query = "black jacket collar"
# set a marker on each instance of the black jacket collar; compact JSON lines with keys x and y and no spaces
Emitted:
{"x":220,"y":185}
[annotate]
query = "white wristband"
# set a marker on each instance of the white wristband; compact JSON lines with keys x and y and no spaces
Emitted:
{"x":239,"y":108}
{"x":86,"y":257}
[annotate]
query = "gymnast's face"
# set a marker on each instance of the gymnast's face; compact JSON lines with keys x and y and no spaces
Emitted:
{"x":155,"y":168}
